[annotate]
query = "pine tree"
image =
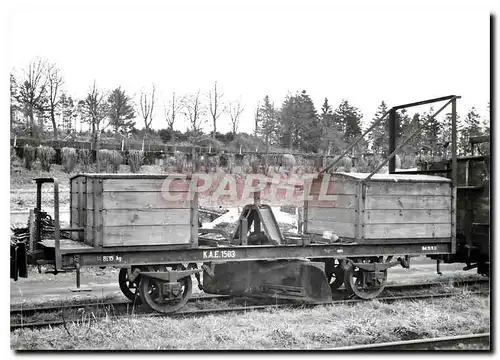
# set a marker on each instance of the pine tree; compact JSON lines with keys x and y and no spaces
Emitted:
{"x":68,"y":112}
{"x":288,"y":119}
{"x":349,"y":117}
{"x":267,"y":120}
{"x":330,"y":134}
{"x":309,"y":134}
{"x":432,"y":131}
{"x":121,"y":111}
{"x":485,"y":123}
{"x":469,"y":127}
{"x":379,"y":135}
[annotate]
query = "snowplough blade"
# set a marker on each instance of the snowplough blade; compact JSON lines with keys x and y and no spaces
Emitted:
{"x":300,"y":280}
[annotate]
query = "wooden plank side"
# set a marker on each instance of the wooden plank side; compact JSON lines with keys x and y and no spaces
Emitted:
{"x":408,"y":202}
{"x":402,"y":188}
{"x":142,"y":200}
{"x":194,"y":219}
{"x":88,"y":236}
{"x":154,"y":185}
{"x":98,"y":213}
{"x":402,"y":231}
{"x":74,"y":184}
{"x":141,"y":217}
{"x":146,"y":235}
{"x":330,"y":187}
{"x":82,"y":204}
{"x":74,"y":194}
{"x":73,"y":215}
{"x":341,"y":229}
{"x":333,"y":201}
{"x":332,"y":214}
{"x":407,"y":216}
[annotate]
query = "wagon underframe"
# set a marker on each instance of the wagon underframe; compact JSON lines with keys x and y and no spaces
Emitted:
{"x":127,"y":256}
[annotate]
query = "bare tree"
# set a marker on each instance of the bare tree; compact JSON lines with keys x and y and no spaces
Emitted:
{"x":14,"y":105}
{"x":235,"y":111}
{"x":195,"y":113}
{"x":171,"y":111}
{"x":95,"y":109}
{"x":54,"y":84}
{"x":32,"y":92}
{"x":216,"y":106}
{"x":147,"y":107}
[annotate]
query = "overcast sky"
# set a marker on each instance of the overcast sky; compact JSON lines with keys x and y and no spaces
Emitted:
{"x":364,"y":52}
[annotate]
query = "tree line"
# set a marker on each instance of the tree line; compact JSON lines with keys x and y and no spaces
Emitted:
{"x":297,"y":125}
{"x":38,"y":96}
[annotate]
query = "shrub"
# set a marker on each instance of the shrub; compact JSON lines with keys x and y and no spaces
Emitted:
{"x":110,"y":159}
{"x":69,"y":159}
{"x":115,"y":160}
{"x":28,"y":156}
{"x":13,"y":155}
{"x":46,"y":155}
{"x":135,"y":160}
{"x":85,"y":159}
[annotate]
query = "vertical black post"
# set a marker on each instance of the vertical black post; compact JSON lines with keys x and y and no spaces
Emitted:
{"x":454,"y":141}
{"x":392,"y":140}
{"x":38,"y":220}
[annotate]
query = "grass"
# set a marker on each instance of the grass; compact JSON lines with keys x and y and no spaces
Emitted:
{"x":304,"y":329}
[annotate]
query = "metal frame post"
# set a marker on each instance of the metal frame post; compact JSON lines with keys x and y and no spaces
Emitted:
{"x":392,"y":140}
{"x":57,"y":255}
{"x":454,"y":141}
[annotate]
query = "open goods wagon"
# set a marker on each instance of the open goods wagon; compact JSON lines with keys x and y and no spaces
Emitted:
{"x":356,"y":226}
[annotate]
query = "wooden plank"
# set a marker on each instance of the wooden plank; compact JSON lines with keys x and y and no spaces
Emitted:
{"x":361,"y":192}
{"x":401,"y":188}
{"x":407,"y":216}
{"x":332,"y":187}
{"x":146,"y":235}
{"x":74,"y":184}
{"x":98,"y":213}
{"x":82,"y":204}
{"x":341,"y":229}
{"x":332,"y":214}
{"x":73,"y":197}
{"x":454,"y":221}
{"x":193,"y":218}
{"x":141,"y":217}
{"x":402,"y":231}
{"x":73,"y":216}
{"x":408,"y":202}
{"x":140,"y":200}
{"x":65,"y":244}
{"x":333,"y":201}
{"x":154,"y":185}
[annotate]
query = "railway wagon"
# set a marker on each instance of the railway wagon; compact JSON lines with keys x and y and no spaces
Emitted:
{"x":356,"y":226}
{"x":126,"y":221}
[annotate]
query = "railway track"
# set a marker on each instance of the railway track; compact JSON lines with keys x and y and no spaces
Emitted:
{"x":124,"y":304}
{"x":234,"y":309}
{"x":441,"y":343}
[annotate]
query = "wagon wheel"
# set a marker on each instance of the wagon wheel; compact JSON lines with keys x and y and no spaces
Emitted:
{"x":162,"y":300}
{"x":129,"y":288}
{"x":362,"y":283}
{"x":336,"y":277}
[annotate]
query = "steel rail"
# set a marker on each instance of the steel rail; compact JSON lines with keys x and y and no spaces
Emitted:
{"x":419,"y":344}
{"x":239,"y":309}
{"x":28,"y":311}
